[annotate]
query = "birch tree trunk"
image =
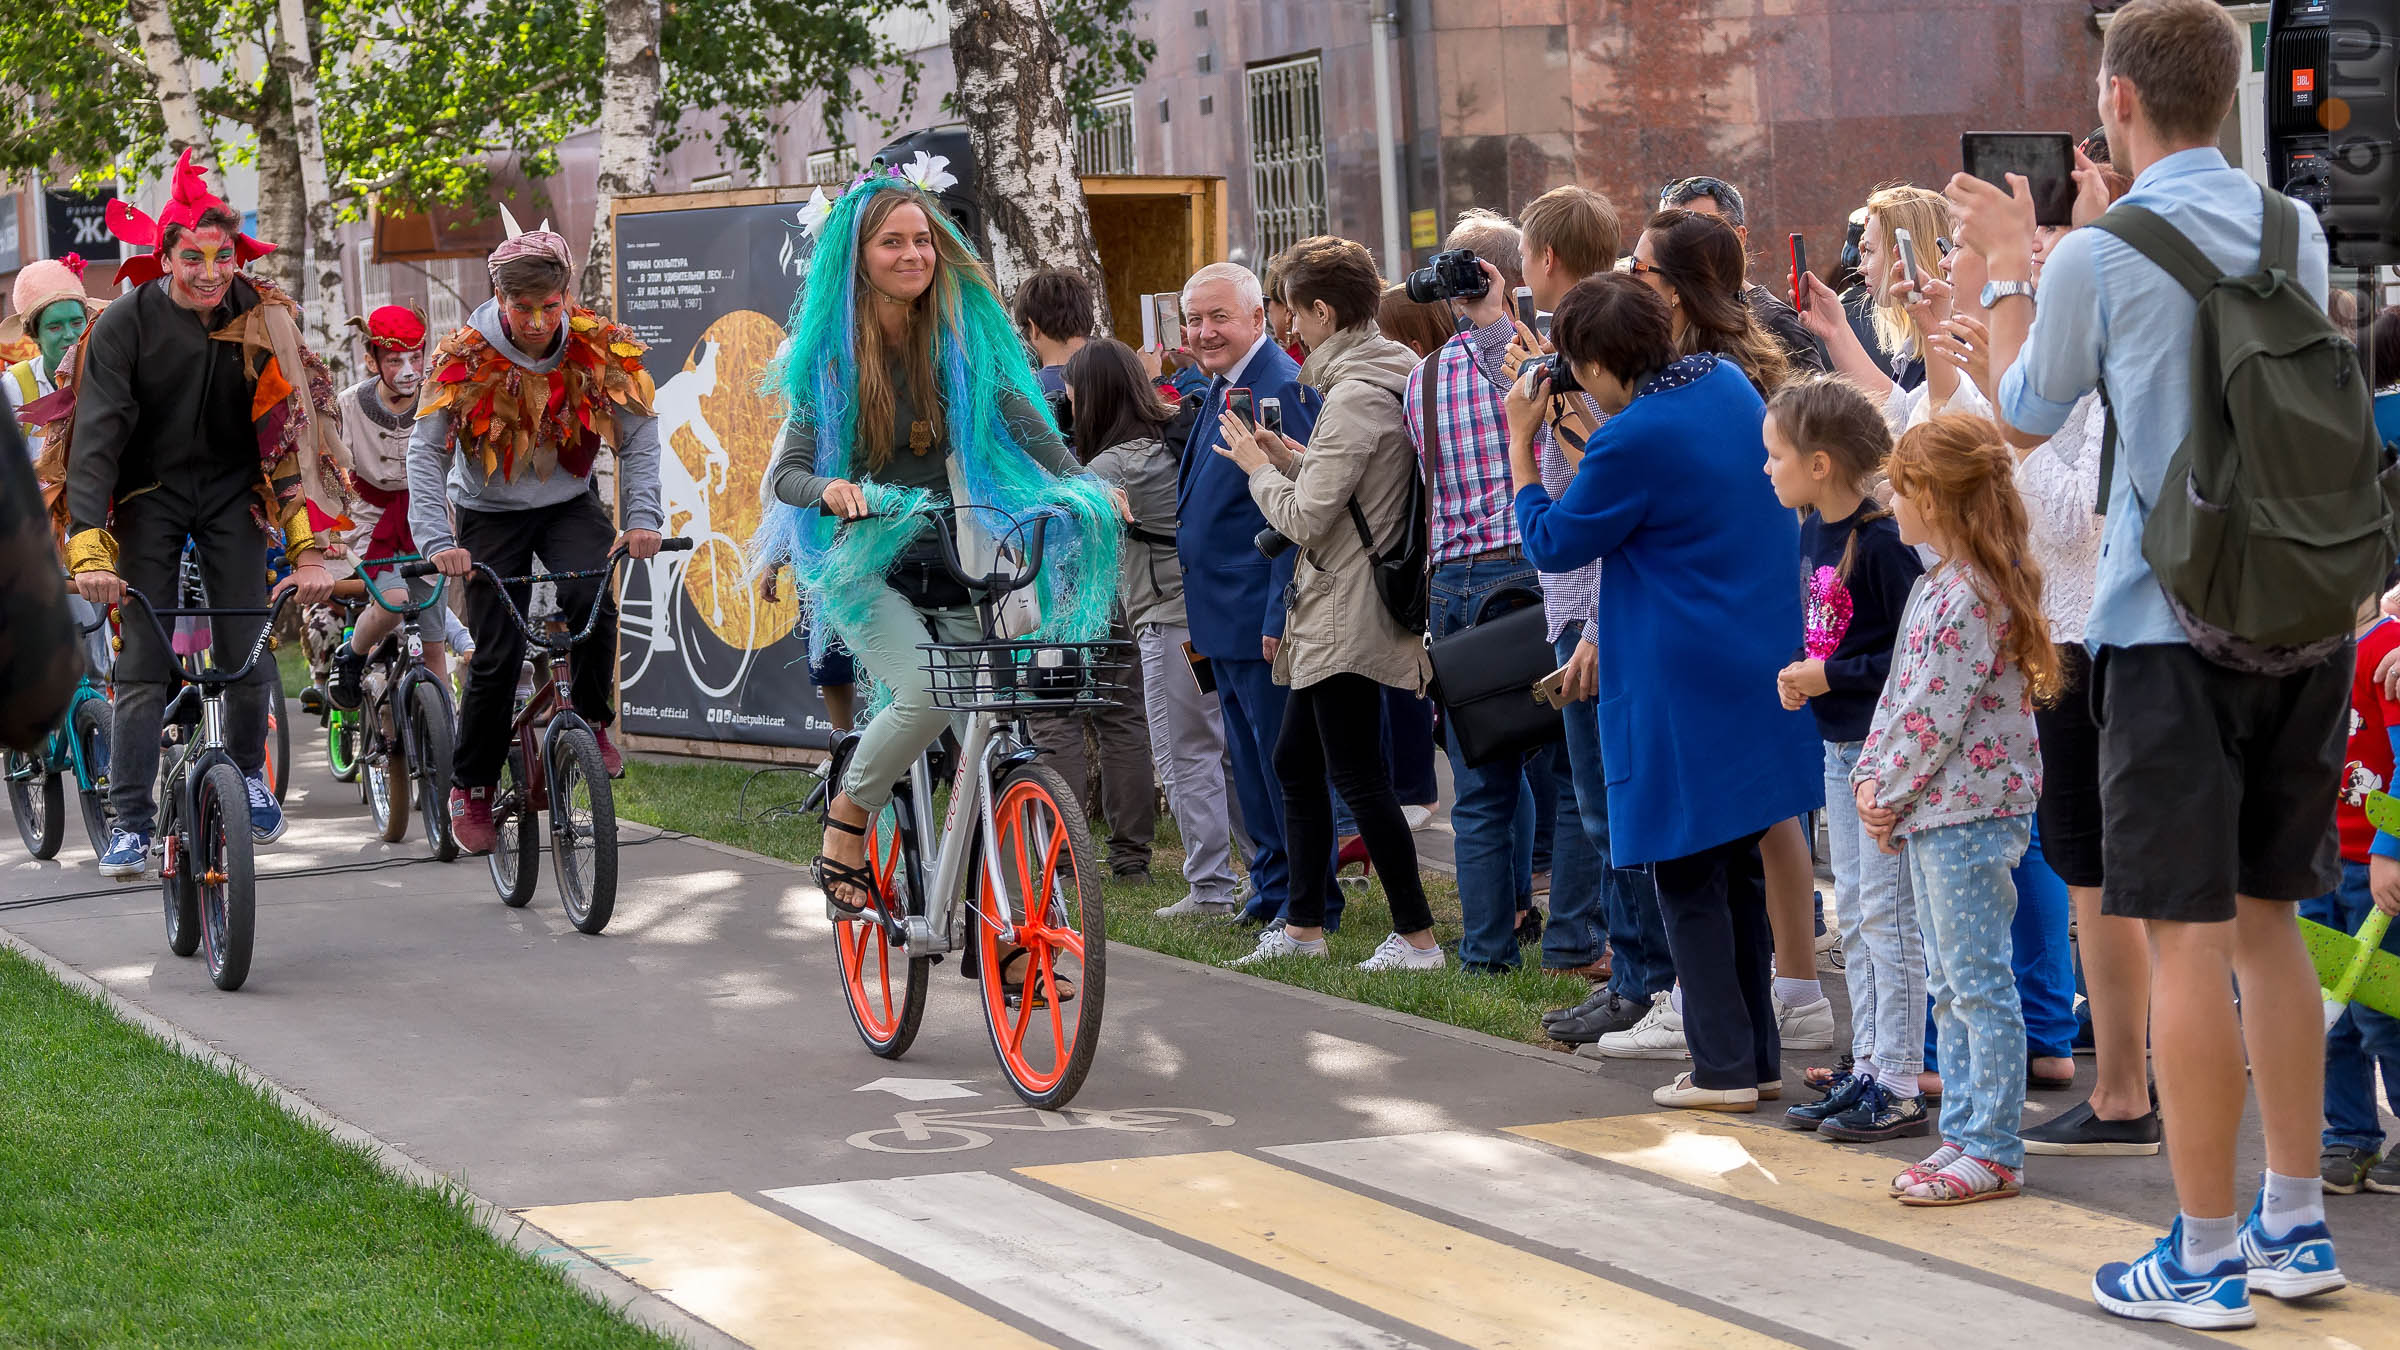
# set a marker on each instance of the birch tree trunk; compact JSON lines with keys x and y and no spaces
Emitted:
{"x":322,"y":298}
{"x":282,"y":206}
{"x":629,"y":85}
{"x":1012,"y":94}
{"x":171,"y":80}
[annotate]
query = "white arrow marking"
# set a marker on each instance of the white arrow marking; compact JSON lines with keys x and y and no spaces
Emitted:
{"x":920,"y":1089}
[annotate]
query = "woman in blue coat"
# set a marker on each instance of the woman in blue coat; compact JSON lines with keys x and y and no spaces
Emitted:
{"x":1697,"y":613}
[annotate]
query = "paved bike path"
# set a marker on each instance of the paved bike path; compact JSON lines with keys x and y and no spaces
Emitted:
{"x":682,"y":1100}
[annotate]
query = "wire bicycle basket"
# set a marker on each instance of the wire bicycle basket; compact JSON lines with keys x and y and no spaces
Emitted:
{"x":1020,"y":674}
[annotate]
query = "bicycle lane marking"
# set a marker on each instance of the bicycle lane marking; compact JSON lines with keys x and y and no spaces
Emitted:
{"x":938,"y":1130}
{"x":1442,"y":1278}
{"x":765,"y":1280}
{"x":1700,"y":1246}
{"x":1078,"y":1274}
{"x":2032,"y":1239}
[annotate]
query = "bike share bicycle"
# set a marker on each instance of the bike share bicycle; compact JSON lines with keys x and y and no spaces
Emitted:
{"x":555,"y":764}
{"x":1012,"y":844}
{"x":401,"y":737}
{"x":77,"y":748}
{"x":206,"y":867}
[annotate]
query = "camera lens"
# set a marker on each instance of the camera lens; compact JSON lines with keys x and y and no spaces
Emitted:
{"x":1425,"y":286}
{"x":1271,"y":542}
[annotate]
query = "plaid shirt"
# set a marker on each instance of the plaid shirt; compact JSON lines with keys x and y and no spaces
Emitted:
{"x":1567,"y":597}
{"x":1467,"y":478}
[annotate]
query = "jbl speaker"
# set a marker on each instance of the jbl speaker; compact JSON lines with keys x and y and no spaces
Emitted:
{"x":2333,"y":120}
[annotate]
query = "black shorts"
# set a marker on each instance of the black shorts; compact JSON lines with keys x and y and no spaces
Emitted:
{"x":2215,"y":783}
{"x":2070,"y":813}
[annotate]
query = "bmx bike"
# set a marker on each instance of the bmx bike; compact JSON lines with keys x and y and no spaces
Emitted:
{"x":405,"y":728}
{"x":78,"y":749}
{"x":1011,"y":845}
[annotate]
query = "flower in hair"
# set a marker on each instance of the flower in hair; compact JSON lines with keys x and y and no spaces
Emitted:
{"x":930,"y":172}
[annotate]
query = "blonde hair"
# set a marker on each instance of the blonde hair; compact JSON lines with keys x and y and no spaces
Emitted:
{"x":1959,"y":476}
{"x":877,"y":398}
{"x":1925,"y":214}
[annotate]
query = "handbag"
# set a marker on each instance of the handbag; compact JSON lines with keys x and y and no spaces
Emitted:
{"x":1483,"y":679}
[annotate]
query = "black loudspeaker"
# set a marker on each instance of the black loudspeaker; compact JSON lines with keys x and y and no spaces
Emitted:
{"x":2333,"y":120}
{"x":964,"y":199}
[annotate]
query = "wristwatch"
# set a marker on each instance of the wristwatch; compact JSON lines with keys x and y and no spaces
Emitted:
{"x":1996,"y":291}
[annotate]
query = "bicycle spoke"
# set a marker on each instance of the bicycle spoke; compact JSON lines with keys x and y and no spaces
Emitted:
{"x":1058,"y":1029}
{"x":883,"y":968}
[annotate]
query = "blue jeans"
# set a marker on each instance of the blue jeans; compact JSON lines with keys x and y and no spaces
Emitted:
{"x":2364,"y":1038}
{"x":1965,"y":903}
{"x":1641,"y":965}
{"x":1253,"y":707}
{"x":1883,"y":949}
{"x":2041,"y":958}
{"x":1492,"y":820}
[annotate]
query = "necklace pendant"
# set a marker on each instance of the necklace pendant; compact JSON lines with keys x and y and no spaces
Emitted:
{"x":920,"y":436}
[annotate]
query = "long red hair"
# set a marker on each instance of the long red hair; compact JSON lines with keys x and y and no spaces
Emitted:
{"x":1959,"y":476}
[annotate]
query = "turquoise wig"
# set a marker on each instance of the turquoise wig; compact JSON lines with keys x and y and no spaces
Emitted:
{"x":978,"y":358}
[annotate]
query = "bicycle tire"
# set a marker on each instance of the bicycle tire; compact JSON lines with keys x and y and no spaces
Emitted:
{"x":180,"y":896}
{"x":684,"y":601}
{"x":432,"y":740}
{"x":583,"y":829}
{"x":90,"y":723}
{"x":385,"y":772}
{"x":222,"y":848}
{"x":341,"y":744}
{"x":516,"y":851}
{"x":863,"y":951}
{"x":37,"y":797}
{"x":279,"y":741}
{"x":1042,"y":830}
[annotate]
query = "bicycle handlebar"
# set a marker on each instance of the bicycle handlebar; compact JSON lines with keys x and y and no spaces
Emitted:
{"x":998,"y":582}
{"x":546,"y":641}
{"x":358,"y":588}
{"x":205,"y":678}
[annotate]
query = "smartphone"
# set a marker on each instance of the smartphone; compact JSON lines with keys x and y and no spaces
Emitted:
{"x":1270,"y":414}
{"x":1799,"y":270}
{"x":1528,"y":313}
{"x":1551,"y":689}
{"x":1237,"y":402}
{"x":1166,"y":311}
{"x":1203,"y":674}
{"x":2046,"y":161}
{"x":1905,"y":245}
{"x":1150,"y":324}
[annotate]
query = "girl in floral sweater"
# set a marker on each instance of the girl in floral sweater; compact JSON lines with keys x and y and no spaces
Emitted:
{"x":1950,"y":775}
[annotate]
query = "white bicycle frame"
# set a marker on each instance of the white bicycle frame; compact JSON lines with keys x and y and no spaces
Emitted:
{"x":933,"y":932}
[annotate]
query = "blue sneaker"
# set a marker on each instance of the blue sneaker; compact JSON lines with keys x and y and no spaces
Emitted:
{"x":266,"y":814}
{"x":2158,"y":1289}
{"x":128,"y":856}
{"x":2296,"y":1265}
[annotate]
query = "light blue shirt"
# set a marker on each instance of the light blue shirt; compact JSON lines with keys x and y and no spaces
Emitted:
{"x":2105,"y":310}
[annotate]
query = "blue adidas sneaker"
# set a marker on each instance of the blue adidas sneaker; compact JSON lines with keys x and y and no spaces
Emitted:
{"x":2296,"y":1265}
{"x":2158,"y":1289}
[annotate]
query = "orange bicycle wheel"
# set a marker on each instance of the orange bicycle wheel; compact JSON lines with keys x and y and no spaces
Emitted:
{"x":1041,"y":947}
{"x":883,"y":985}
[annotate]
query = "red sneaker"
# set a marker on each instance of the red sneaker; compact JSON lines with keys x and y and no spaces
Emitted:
{"x":611,"y":758}
{"x":471,"y":819}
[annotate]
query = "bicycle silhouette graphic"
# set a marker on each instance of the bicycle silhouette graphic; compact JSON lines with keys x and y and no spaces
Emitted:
{"x":938,"y":1130}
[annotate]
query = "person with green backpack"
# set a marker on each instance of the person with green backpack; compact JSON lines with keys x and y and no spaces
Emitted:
{"x":2249,"y":513}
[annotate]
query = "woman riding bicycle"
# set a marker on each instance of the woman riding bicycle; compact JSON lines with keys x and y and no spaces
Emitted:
{"x":908,"y":388}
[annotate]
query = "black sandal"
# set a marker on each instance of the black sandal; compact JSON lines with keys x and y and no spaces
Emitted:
{"x":856,"y":878}
{"x":1012,"y":993}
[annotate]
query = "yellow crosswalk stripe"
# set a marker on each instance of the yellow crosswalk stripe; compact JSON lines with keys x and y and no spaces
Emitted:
{"x":2043,"y":1242}
{"x":763,"y":1279}
{"x":1432,"y":1275}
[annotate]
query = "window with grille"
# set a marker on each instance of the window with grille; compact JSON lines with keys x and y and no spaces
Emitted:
{"x":1104,"y":144}
{"x":838,"y":165}
{"x":1287,"y":154}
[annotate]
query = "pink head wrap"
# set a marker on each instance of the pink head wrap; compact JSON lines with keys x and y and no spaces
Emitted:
{"x":542,"y":242}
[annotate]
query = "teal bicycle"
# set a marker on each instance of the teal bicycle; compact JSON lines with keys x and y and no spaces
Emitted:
{"x":402,"y":736}
{"x":77,"y":749}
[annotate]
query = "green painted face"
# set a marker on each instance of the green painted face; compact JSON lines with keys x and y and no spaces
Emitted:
{"x":56,"y":328}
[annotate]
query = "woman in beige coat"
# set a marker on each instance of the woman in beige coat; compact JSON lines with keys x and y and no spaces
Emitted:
{"x":1340,"y":644}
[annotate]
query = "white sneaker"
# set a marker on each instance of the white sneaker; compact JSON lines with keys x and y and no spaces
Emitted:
{"x":1657,"y":1036}
{"x":1277,"y":942}
{"x":1683,"y":1093}
{"x":1807,"y":1027}
{"x":1418,"y":817}
{"x":1396,"y":953}
{"x":1192,"y":907}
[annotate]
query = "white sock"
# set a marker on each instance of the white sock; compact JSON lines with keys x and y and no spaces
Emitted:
{"x":1797,"y":993}
{"x":1675,"y":998}
{"x":1972,"y":1171}
{"x":2209,"y":1243}
{"x":2289,"y":1202}
{"x":1901,"y":1085}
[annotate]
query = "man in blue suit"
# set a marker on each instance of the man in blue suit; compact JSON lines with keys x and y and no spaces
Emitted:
{"x":1234,"y":595}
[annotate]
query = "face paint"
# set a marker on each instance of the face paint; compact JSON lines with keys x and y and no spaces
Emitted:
{"x":401,"y":372}
{"x":56,"y":328}
{"x":200,"y":268}
{"x":533,"y":320}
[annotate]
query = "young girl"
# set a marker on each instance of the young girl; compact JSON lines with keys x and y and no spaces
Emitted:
{"x":1952,"y":770}
{"x":1826,"y":443}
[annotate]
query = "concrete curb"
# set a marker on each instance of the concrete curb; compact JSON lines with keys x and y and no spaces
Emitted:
{"x":602,"y":1285}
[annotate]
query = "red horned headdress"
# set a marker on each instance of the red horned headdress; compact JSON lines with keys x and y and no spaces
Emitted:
{"x":188,"y":198}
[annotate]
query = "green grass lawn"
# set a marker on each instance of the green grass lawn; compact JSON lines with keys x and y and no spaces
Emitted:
{"x":699,"y":797}
{"x":149,"y":1200}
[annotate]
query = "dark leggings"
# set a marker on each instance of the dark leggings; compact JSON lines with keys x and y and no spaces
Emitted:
{"x":1334,"y":728}
{"x":1715,"y":906}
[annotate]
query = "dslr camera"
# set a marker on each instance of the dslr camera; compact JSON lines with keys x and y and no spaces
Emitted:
{"x":1452,"y":274}
{"x":1562,"y":372}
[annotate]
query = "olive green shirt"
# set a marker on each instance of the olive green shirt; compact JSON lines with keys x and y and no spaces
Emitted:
{"x":795,"y":479}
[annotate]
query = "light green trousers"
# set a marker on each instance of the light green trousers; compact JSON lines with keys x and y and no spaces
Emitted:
{"x":891,"y":651}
